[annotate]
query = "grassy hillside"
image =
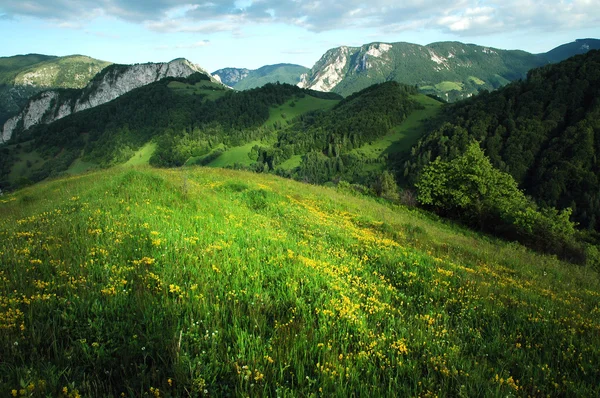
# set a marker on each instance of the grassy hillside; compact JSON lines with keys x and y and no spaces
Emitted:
{"x":74,"y":71}
{"x":134,"y":282}
{"x":11,"y":66}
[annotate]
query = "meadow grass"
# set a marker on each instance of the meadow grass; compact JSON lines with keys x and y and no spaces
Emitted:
{"x":279,"y":114}
{"x":237,"y":154}
{"x":201,"y":281}
{"x":402,"y":137}
{"x":209,"y":90}
{"x":142,"y":156}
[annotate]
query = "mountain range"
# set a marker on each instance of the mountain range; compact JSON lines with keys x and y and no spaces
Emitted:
{"x":245,"y":79}
{"x":449,"y":70}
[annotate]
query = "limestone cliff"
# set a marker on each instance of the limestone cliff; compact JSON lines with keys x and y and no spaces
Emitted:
{"x":109,"y":84}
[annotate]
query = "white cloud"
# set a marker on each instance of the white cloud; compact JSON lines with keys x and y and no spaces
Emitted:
{"x":463,"y":17}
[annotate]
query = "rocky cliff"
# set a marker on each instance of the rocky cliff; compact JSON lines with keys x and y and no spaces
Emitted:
{"x":109,"y":84}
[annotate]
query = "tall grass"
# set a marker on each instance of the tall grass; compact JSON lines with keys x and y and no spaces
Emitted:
{"x":142,"y":282}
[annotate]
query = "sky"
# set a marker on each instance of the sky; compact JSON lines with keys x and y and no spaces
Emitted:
{"x":252,"y":33}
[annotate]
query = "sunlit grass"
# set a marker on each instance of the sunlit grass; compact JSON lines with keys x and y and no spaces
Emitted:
{"x":215,"y":282}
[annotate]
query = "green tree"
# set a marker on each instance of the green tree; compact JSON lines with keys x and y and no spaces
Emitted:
{"x":386,"y":186}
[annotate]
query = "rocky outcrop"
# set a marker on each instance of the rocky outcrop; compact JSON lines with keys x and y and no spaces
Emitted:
{"x":231,"y":76}
{"x":111,"y":83}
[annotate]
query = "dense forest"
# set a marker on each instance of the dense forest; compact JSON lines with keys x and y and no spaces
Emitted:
{"x":544,"y":131}
{"x":325,"y":138}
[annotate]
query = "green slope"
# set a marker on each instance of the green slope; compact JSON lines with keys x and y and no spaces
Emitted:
{"x":11,"y":66}
{"x":579,"y":46}
{"x":208,"y":281}
{"x":401,"y":138}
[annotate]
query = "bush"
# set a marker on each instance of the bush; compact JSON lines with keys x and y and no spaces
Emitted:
{"x":469,"y":189}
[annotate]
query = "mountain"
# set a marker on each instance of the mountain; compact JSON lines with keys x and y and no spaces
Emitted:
{"x":544,"y":131}
{"x":449,"y":70}
{"x":245,"y":79}
{"x":23,"y":76}
{"x":579,"y":46}
{"x":231,"y":76}
{"x":111,"y":83}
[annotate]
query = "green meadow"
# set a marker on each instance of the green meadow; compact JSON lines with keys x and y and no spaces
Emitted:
{"x":208,"y":282}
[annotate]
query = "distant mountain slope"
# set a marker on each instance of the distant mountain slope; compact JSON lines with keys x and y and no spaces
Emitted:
{"x":245,"y":79}
{"x":23,"y":76}
{"x":451,"y":70}
{"x":544,"y":131}
{"x":579,"y":46}
{"x":112,"y":82}
{"x":231,"y":76}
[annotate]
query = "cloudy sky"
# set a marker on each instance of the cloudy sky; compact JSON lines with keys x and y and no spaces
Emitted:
{"x":252,"y":33}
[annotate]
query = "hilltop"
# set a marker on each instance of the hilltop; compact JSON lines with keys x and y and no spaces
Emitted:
{"x":208,"y":281}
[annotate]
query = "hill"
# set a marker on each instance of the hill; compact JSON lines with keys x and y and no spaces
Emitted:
{"x":579,"y":46}
{"x":544,"y":131}
{"x":299,"y":133}
{"x":23,"y":76}
{"x":245,"y":79}
{"x":208,"y":281}
{"x":186,"y":117}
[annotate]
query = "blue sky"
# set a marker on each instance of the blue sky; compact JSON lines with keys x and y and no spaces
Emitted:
{"x":253,"y":33}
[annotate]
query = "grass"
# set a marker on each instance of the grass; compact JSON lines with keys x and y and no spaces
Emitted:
{"x":449,"y":86}
{"x":238,"y":154}
{"x":476,"y":80}
{"x":402,"y":137}
{"x":142,"y":156}
{"x":201,"y":281}
{"x":291,"y":163}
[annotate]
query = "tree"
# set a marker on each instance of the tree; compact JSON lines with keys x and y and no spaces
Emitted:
{"x":386,"y":186}
{"x":469,"y":188}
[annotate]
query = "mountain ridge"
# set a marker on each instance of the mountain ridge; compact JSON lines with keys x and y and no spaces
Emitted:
{"x":107,"y":85}
{"x":450,"y":70}
{"x":245,"y":79}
